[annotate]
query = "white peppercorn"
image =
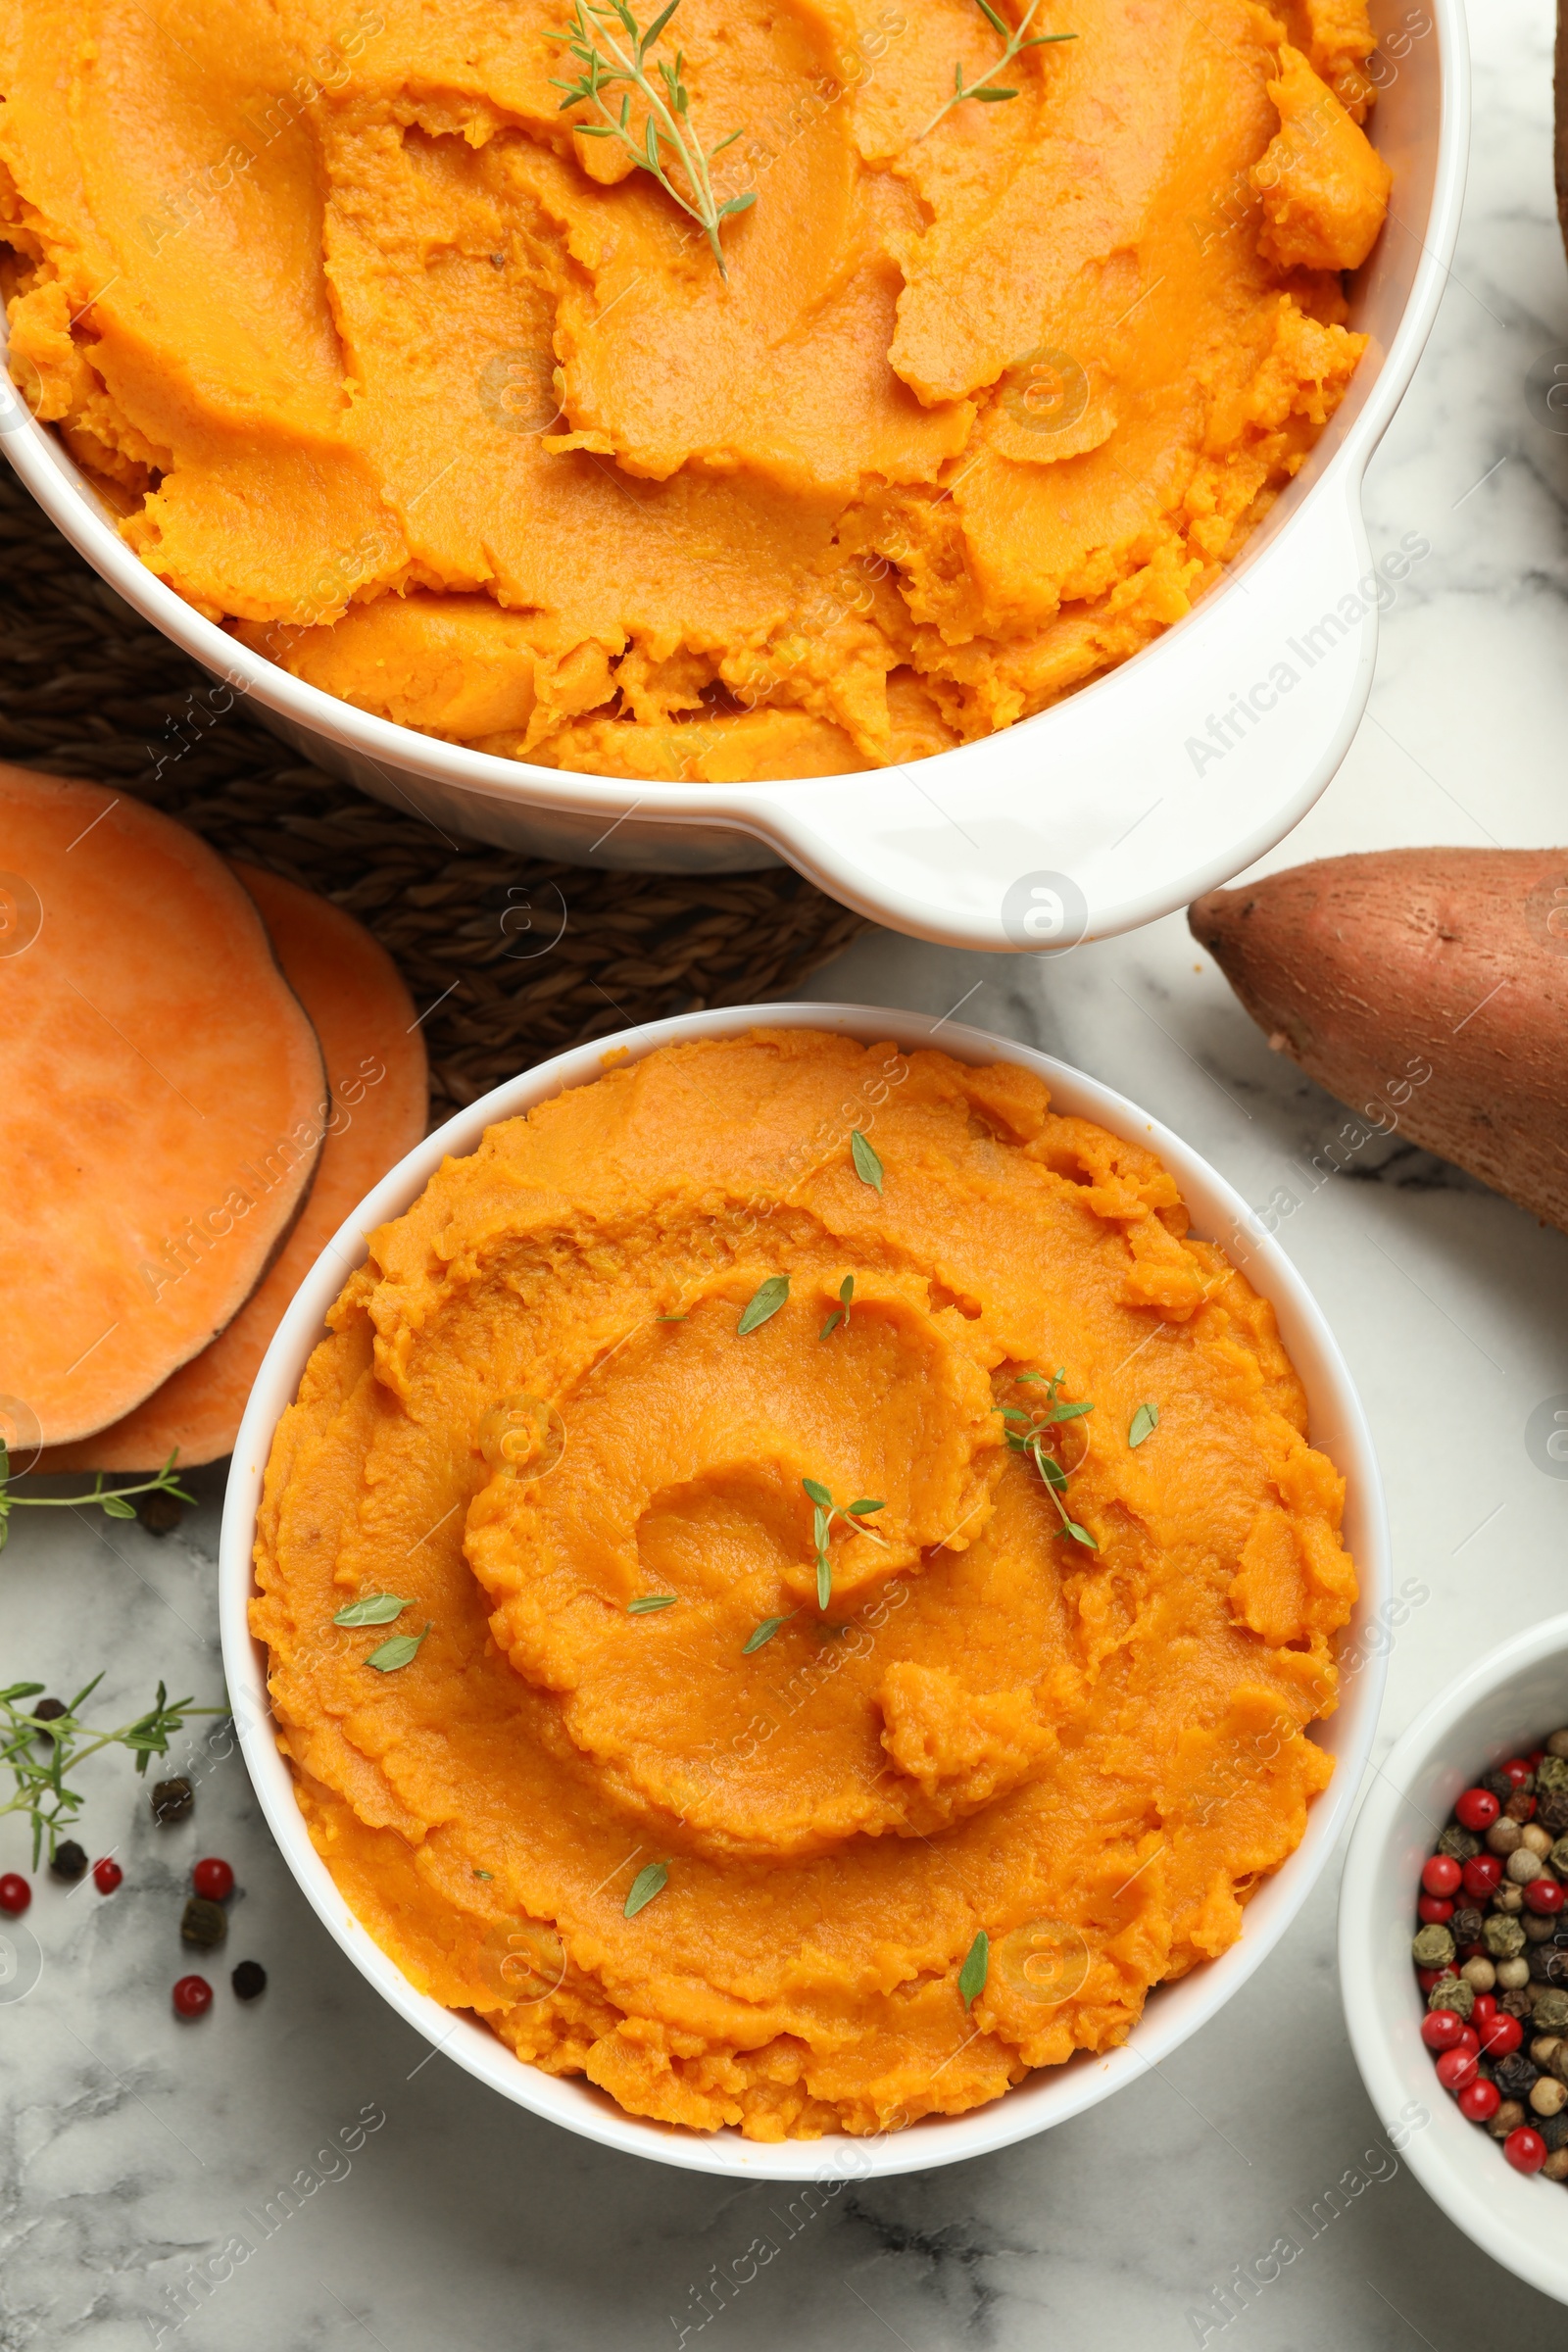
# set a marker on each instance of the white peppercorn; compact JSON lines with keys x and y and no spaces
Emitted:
{"x":1513,"y":1974}
{"x":1537,"y":1930}
{"x":1545,"y":2047}
{"x":1555,"y":2166}
{"x":1507,"y":2117}
{"x":1522,"y":1865}
{"x":1479,"y":1973}
{"x":1537,"y":1838}
{"x":1508,"y":1898}
{"x":1548,"y":2096}
{"x":1503,"y":1837}
{"x":1557,"y":1744}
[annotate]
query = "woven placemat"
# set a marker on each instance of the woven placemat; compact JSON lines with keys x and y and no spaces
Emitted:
{"x":88,"y":689}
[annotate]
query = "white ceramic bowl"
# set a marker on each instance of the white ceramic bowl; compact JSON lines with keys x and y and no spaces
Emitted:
{"x":1097,"y":805}
{"x":1337,"y":1426}
{"x":1495,"y":1709}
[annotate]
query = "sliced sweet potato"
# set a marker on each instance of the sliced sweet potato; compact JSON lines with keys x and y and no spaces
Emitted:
{"x":162,"y":1093}
{"x":376,"y":1075}
{"x":1428,"y":989}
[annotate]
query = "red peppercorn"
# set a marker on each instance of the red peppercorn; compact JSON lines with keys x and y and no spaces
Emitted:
{"x":1467,"y":2041}
{"x":1502,"y":2034}
{"x":1483,"y":2010}
{"x":14,"y":1893}
{"x":1441,"y":2029}
{"x":1426,"y":1978}
{"x":1534,"y":1756}
{"x":1544,"y":1895}
{"x":1515,"y":1770}
{"x":1480,"y":2100}
{"x":213,"y":1879}
{"x":107,"y":1875}
{"x":1435,"y":1910}
{"x":1456,"y":2068}
{"x":193,"y":1996}
{"x":1483,"y":1876}
{"x":1525,"y":2149}
{"x":1441,"y":1873}
{"x":1476,"y":1808}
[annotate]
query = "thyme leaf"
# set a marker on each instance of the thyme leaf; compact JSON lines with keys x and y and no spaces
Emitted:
{"x":41,"y":1789}
{"x":972,"y":1975}
{"x":401,"y":1650}
{"x":647,"y":1602}
{"x":764,"y":1303}
{"x":868,"y":1166}
{"x":650,"y":1881}
{"x":670,"y":136}
{"x":1145,"y":1423}
{"x":377,"y":1608}
{"x":1016,"y":44}
{"x":114,"y":1501}
{"x":765,"y":1632}
{"x":841,"y":1313}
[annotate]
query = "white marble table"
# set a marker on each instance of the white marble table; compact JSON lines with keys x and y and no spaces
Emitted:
{"x":132,"y":2146}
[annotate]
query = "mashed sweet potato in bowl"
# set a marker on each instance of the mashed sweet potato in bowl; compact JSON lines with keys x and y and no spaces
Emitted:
{"x":880,"y":1550}
{"x":435,"y":425}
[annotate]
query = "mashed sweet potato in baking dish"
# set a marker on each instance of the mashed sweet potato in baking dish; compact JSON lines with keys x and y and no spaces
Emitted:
{"x":754,"y":1810}
{"x":447,"y":407}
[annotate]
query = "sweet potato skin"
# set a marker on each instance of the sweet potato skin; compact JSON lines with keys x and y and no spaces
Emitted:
{"x":162,"y":1100}
{"x":378,"y":1088}
{"x":1358,"y":966}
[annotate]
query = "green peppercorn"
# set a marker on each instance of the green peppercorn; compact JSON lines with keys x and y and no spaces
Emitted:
{"x":1551,"y":1773}
{"x":1452,"y":1992}
{"x":1503,"y":1937}
{"x":203,"y":1922}
{"x":1433,"y":1947}
{"x":1551,"y":2011}
{"x":1460,"y":1844}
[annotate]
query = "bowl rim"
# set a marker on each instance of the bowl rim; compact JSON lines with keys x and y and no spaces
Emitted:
{"x":764,"y":811}
{"x":1502,"y":2227}
{"x":1048,"y":2096}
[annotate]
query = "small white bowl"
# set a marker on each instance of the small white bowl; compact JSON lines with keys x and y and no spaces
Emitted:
{"x":1337,"y":1426}
{"x":1499,"y":1707}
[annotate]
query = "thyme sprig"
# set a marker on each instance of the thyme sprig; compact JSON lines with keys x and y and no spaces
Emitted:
{"x":825,"y":1511}
{"x":115,"y":1501}
{"x":1017,"y":43}
{"x":40,"y":1750}
{"x":668,"y":126}
{"x":1026,"y":1434}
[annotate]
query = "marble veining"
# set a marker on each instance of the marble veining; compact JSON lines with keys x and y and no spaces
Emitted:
{"x":231,"y":2188}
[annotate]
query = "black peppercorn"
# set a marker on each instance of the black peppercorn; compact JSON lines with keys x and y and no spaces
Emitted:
{"x":1465,"y":1927}
{"x":1462,"y":1844}
{"x":68,"y":1861}
{"x":159,"y":1513}
{"x":1553,"y":2130}
{"x":249,"y":1978}
{"x":1517,"y":2076}
{"x":172,"y":1802}
{"x":1499,"y":1784}
{"x":203,"y":1922}
{"x":1516,"y":2004}
{"x":1548,"y":1964}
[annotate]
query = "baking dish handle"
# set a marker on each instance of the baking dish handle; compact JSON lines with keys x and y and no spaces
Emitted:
{"x":1128,"y":800}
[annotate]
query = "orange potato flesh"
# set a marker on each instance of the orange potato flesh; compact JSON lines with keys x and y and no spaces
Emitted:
{"x":535,"y":1409}
{"x":376,"y":1083}
{"x":164,"y":1101}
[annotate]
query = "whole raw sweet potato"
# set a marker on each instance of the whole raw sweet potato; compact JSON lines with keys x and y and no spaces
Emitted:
{"x":1363,"y":966}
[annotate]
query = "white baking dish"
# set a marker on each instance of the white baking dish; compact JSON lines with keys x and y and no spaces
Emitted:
{"x":1336,"y":1424}
{"x":1090,"y":819}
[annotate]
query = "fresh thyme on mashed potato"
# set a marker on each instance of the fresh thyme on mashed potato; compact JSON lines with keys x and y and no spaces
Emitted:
{"x":527,"y":437}
{"x":931,"y":1790}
